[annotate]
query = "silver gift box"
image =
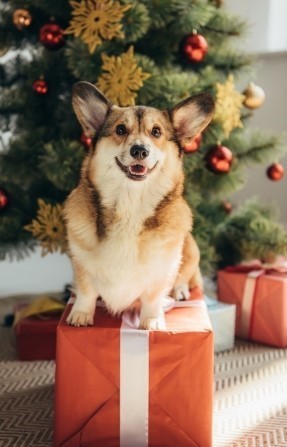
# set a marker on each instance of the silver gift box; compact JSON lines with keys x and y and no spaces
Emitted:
{"x":222,"y":318}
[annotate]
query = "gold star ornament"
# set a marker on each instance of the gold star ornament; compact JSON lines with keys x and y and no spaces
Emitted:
{"x":96,"y":20}
{"x":228,"y":106}
{"x":48,"y":228}
{"x":121,"y":78}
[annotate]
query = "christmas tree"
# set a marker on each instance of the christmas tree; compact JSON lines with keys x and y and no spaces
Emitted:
{"x":150,"y":52}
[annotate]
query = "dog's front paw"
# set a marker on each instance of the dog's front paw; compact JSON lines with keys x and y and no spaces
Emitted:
{"x":152,"y":324}
{"x":181,"y":292}
{"x":79,"y":318}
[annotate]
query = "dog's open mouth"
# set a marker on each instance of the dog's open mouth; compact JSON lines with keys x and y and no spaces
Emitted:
{"x":136,"y":171}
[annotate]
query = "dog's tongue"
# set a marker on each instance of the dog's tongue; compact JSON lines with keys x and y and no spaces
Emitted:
{"x":137,"y":169}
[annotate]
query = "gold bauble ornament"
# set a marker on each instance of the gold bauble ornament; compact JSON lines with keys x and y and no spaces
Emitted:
{"x":254,"y":96}
{"x":22,"y":18}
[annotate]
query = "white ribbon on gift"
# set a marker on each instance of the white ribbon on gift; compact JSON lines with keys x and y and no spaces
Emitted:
{"x":247,"y":302}
{"x":134,"y":382}
{"x":134,"y":374}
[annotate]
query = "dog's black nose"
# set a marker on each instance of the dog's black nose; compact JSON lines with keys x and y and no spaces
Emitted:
{"x":139,"y":152}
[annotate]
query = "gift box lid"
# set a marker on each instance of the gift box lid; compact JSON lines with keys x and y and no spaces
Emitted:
{"x":38,"y":325}
{"x":182,"y":316}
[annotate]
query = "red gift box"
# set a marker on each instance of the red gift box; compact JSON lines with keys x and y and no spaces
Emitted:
{"x":118,"y":386}
{"x":36,"y":336}
{"x":260,"y":295}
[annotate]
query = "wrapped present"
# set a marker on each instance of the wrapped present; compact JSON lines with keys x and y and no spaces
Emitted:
{"x":260,"y":294}
{"x":222,"y":318}
{"x":118,"y":386}
{"x":35,"y":327}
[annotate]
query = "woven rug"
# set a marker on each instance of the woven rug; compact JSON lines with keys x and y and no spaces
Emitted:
{"x":250,"y":408}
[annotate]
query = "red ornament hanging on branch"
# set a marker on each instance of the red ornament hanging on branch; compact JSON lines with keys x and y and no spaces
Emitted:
{"x":194,"y":47}
{"x":194,"y":145}
{"x":4,"y":199}
{"x":52,"y":36}
{"x":275,"y":172}
{"x":219,"y":159}
{"x":227,"y":207}
{"x":86,"y":141}
{"x":40,"y":87}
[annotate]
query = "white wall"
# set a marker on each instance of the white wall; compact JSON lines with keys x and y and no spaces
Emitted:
{"x":35,"y":274}
{"x":267,"y":38}
{"x":272,"y":77}
{"x":267,"y":23}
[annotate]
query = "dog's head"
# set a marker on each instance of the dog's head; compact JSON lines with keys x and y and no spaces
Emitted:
{"x":137,"y":142}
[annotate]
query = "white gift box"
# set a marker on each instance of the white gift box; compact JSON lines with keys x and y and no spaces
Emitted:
{"x":222,"y":318}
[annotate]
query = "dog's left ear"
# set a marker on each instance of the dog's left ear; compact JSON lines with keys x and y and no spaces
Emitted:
{"x":191,"y":116}
{"x":90,"y":106}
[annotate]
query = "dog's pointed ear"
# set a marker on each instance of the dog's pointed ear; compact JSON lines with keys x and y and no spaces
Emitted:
{"x":191,"y":116}
{"x":90,"y":106}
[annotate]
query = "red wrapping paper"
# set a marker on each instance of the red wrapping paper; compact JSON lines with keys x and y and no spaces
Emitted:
{"x":267,"y":318}
{"x":36,"y":337}
{"x":180,"y":382}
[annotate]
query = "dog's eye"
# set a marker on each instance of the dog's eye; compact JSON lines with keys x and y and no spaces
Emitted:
{"x":156,"y":132}
{"x":121,"y":129}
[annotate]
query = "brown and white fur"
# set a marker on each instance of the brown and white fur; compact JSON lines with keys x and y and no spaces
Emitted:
{"x":128,"y":226}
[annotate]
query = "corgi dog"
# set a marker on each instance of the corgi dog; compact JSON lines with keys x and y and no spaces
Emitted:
{"x":128,"y":225}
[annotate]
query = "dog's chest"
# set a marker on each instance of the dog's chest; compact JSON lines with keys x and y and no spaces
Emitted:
{"x":124,"y":265}
{"x":121,"y":252}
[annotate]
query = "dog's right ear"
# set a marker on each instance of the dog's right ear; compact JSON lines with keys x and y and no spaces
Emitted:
{"x":90,"y":106}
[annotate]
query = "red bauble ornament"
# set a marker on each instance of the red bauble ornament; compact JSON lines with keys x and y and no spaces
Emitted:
{"x":194,"y":145}
{"x":227,"y":206}
{"x":275,"y":172}
{"x":40,"y":87}
{"x":4,"y":199}
{"x":86,"y":141}
{"x":194,"y":47}
{"x":52,"y":36}
{"x":219,"y":159}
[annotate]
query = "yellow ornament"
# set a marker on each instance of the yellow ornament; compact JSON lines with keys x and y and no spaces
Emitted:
{"x":228,"y":106}
{"x":42,"y":305}
{"x":22,"y":18}
{"x":48,"y":228}
{"x":254,"y":96}
{"x":121,"y":78}
{"x":96,"y":20}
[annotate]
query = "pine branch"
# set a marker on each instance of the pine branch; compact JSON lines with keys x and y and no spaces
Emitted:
{"x":68,"y":155}
{"x":252,"y":146}
{"x":225,"y":24}
{"x":136,"y":21}
{"x":250,"y":233}
{"x":17,"y":251}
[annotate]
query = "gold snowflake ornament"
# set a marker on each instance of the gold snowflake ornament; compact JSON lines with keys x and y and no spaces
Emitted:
{"x":96,"y":20}
{"x":228,"y":105}
{"x":121,"y":78}
{"x":48,"y":228}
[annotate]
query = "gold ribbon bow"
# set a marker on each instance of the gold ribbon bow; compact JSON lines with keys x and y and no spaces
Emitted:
{"x":42,"y":305}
